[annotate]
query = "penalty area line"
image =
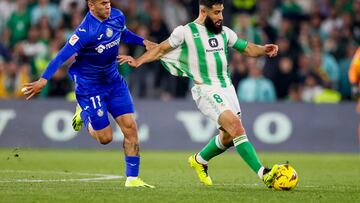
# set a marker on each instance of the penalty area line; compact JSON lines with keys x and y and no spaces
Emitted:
{"x":97,"y":178}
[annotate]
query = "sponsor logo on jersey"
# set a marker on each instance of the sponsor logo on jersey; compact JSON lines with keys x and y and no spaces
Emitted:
{"x":109,"y":32}
{"x":73,"y":39}
{"x":100,"y":49}
{"x":213,"y":42}
{"x":82,"y":30}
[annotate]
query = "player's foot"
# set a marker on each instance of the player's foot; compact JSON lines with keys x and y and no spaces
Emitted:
{"x":77,"y":122}
{"x":137,"y":182}
{"x":201,"y":170}
{"x":269,"y":174}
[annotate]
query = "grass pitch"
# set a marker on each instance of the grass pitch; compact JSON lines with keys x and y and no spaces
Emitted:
{"x":95,"y":176}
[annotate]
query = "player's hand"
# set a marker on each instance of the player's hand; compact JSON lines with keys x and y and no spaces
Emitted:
{"x":149,"y":45}
{"x":271,"y":50}
{"x":34,"y":88}
{"x":127,"y":59}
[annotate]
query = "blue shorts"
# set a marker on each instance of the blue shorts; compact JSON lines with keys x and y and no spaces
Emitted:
{"x":116,"y":100}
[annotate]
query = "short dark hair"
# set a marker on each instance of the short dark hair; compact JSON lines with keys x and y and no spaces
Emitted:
{"x":210,"y":3}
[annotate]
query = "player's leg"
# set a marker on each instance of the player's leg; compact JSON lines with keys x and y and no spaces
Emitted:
{"x":121,"y":107}
{"x":131,"y":147}
{"x":93,"y":113}
{"x":235,"y":130}
{"x":203,"y":95}
{"x":200,"y":160}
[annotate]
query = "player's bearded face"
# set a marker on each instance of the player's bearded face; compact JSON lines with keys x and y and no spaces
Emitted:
{"x":214,"y":27}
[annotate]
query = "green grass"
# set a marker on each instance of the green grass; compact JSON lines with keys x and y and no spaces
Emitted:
{"x":323,"y":177}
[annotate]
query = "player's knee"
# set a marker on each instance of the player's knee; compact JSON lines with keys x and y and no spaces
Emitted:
{"x":106,"y":139}
{"x":236,"y":128}
{"x":129,"y":125}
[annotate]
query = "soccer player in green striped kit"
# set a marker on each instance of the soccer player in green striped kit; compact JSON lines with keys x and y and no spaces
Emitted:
{"x":199,"y":50}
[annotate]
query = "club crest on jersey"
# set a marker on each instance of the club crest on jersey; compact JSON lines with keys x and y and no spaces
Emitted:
{"x":213,"y":42}
{"x":109,"y":32}
{"x":100,"y":113}
{"x":73,"y":39}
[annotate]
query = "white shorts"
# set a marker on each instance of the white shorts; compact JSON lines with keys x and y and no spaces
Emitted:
{"x":212,"y":101}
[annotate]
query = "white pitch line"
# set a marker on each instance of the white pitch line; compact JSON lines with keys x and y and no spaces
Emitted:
{"x":99,"y":177}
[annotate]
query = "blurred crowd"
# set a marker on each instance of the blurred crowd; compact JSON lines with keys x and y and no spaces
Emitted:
{"x":317,"y":40}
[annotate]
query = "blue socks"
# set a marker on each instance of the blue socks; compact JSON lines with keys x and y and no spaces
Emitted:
{"x":132,"y":166}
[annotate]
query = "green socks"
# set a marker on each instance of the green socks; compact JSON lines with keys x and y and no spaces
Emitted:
{"x":212,"y":149}
{"x":243,"y":147}
{"x":247,"y":152}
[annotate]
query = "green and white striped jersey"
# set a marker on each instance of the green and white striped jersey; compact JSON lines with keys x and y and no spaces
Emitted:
{"x":201,"y":55}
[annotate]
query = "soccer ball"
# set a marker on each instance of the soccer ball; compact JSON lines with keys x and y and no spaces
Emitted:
{"x":285,"y":178}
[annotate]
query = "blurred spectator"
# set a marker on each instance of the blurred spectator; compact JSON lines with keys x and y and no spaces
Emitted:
{"x":69,"y":7}
{"x":267,"y":32}
{"x":272,"y":65}
{"x":245,"y":30}
{"x":328,"y":62}
{"x":7,"y":7}
{"x":241,"y":6}
{"x":175,"y":14}
{"x":32,"y":47}
{"x":12,"y":77}
{"x":328,"y":96}
{"x":295,"y":93}
{"x":192,"y":8}
{"x":290,"y":8}
{"x":44,"y":8}
{"x":59,"y":85}
{"x":356,"y":17}
{"x":75,"y":20}
{"x":285,"y":77}
{"x":256,"y":88}
{"x":239,"y":69}
{"x":140,"y":80}
{"x":19,"y":23}
{"x":159,"y":32}
{"x":312,"y":88}
{"x":344,"y":64}
{"x":315,"y":38}
{"x":4,"y":53}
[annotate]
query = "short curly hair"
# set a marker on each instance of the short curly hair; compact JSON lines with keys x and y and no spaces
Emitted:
{"x":210,"y":3}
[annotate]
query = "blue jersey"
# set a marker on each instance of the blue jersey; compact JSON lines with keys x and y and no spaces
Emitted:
{"x":96,"y":44}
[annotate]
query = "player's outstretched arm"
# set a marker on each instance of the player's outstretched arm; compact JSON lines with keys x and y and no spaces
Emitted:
{"x":255,"y":50}
{"x":149,"y":44}
{"x":152,"y":55}
{"x":34,"y":88}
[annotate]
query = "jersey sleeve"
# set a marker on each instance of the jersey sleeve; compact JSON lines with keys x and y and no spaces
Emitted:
{"x":76,"y":42}
{"x":177,"y":37}
{"x":127,"y":36}
{"x":234,"y":41}
{"x":79,"y":39}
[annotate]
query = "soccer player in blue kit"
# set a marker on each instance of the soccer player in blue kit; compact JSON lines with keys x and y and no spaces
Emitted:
{"x":99,"y":87}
